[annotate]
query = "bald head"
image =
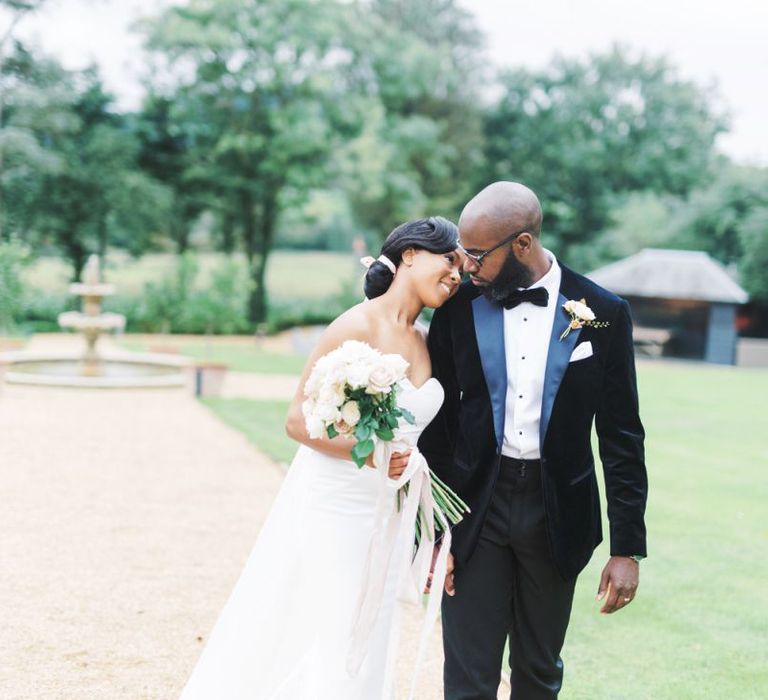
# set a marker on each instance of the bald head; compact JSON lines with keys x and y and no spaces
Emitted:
{"x":501,"y":208}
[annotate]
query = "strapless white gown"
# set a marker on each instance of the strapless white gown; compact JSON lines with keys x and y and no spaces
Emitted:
{"x":286,"y":632}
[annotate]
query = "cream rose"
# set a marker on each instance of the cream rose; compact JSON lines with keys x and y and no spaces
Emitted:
{"x":350,"y":413}
{"x":381,"y":380}
{"x":342,"y":427}
{"x":580,"y":310}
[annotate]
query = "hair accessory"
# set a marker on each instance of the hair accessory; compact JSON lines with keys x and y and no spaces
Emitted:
{"x":367,"y":261}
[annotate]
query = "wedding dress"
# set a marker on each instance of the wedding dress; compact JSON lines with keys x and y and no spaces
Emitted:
{"x":315,"y":614}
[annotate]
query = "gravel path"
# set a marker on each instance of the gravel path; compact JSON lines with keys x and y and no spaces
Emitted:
{"x":126,"y":519}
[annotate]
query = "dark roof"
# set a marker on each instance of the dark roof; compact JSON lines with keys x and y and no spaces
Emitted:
{"x":670,"y":274}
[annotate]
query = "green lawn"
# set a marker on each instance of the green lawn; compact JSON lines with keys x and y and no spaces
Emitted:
{"x":262,"y":422}
{"x":290,"y":275}
{"x":239,"y":357}
{"x":699,"y":626}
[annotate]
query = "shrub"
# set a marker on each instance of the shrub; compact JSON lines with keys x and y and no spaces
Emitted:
{"x":13,"y":258}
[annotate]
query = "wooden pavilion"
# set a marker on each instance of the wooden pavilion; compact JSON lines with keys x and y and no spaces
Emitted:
{"x":683,"y":303}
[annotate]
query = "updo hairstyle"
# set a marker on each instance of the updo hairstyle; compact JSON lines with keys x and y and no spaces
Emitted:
{"x":435,"y":234}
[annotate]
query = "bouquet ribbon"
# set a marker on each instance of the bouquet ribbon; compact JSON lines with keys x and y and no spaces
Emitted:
{"x":395,"y":532}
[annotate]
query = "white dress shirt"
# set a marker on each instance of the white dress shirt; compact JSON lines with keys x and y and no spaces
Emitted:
{"x":527,"y":330}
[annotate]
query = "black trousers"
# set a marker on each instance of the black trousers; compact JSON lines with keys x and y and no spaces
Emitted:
{"x":509,"y":588}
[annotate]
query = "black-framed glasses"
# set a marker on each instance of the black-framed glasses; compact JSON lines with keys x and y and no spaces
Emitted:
{"x":478,"y":255}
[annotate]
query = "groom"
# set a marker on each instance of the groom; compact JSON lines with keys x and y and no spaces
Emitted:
{"x":524,"y":378}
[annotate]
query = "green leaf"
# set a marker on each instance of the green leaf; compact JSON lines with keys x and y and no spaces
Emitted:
{"x":332,"y":432}
{"x":363,"y":431}
{"x":408,"y":416}
{"x":385,"y":434}
{"x":361,"y":451}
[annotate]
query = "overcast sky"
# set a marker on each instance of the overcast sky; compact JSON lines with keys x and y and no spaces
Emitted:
{"x":722,"y":42}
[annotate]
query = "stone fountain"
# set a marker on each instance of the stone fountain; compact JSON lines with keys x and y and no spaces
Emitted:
{"x":91,"y":367}
{"x":92,"y":322}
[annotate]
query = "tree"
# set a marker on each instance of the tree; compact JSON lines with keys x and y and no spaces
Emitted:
{"x":582,"y":132}
{"x":254,"y":85}
{"x":72,"y":165}
{"x":416,"y":74}
{"x":729,"y":220}
{"x":16,"y":10}
{"x":166,"y":153}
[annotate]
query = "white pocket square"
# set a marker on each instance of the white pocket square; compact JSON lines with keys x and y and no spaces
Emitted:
{"x":581,"y":352}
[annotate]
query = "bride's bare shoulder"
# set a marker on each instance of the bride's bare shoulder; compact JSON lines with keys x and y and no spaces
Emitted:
{"x":356,"y":323}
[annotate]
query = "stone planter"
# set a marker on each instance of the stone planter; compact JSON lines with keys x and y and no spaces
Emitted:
{"x":207,"y":378}
{"x":12,"y":343}
{"x":164,"y":349}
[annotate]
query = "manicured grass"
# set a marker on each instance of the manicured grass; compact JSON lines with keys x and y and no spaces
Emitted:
{"x":237,"y":356}
{"x":698,"y":629}
{"x":290,"y":275}
{"x":699,"y":625}
{"x":261,"y":421}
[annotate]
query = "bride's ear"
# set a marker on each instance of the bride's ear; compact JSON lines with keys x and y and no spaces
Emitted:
{"x":407,"y":256}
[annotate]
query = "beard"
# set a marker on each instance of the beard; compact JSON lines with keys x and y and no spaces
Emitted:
{"x":512,"y":276}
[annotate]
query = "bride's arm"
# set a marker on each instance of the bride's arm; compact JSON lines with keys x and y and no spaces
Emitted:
{"x":352,"y":325}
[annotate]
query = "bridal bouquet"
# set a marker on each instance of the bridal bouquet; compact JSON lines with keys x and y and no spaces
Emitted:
{"x":352,"y":393}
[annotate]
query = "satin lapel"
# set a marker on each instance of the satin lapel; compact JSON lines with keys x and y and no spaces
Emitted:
{"x":557,"y":362}
{"x":489,"y":331}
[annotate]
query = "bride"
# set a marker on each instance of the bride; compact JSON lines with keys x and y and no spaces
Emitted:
{"x":291,"y":629}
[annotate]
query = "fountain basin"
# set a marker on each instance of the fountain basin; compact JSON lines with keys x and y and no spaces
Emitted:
{"x":81,"y":322}
{"x":116,"y":370}
{"x":99,"y":289}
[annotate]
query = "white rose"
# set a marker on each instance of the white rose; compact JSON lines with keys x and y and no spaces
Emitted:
{"x":331,"y":394}
{"x":580,"y":310}
{"x":327,"y":412}
{"x":336,"y":379}
{"x":350,"y":413}
{"x":308,"y":407}
{"x":313,"y":383}
{"x":355,"y":350}
{"x":358,"y":373}
{"x":315,"y":427}
{"x":397,"y":363}
{"x":381,"y":380}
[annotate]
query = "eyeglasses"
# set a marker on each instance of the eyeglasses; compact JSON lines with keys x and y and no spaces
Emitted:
{"x":478,"y":255}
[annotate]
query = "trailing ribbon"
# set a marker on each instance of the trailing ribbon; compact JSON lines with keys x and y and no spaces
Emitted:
{"x":395,"y":531}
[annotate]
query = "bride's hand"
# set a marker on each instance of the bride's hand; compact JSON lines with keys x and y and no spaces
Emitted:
{"x":397,"y":463}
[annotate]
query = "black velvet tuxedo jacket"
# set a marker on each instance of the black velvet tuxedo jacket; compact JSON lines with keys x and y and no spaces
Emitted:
{"x":463,"y":443}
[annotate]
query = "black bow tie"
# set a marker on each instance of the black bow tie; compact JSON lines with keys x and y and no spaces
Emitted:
{"x":537,"y":295}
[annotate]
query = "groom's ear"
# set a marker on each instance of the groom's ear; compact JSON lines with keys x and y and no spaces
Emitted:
{"x":524,"y":242}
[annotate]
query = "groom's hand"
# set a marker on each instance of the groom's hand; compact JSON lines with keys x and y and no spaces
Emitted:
{"x":618,"y":582}
{"x":449,"y":587}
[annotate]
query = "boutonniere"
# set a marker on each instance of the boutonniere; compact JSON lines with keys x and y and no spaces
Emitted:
{"x":581,"y":315}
